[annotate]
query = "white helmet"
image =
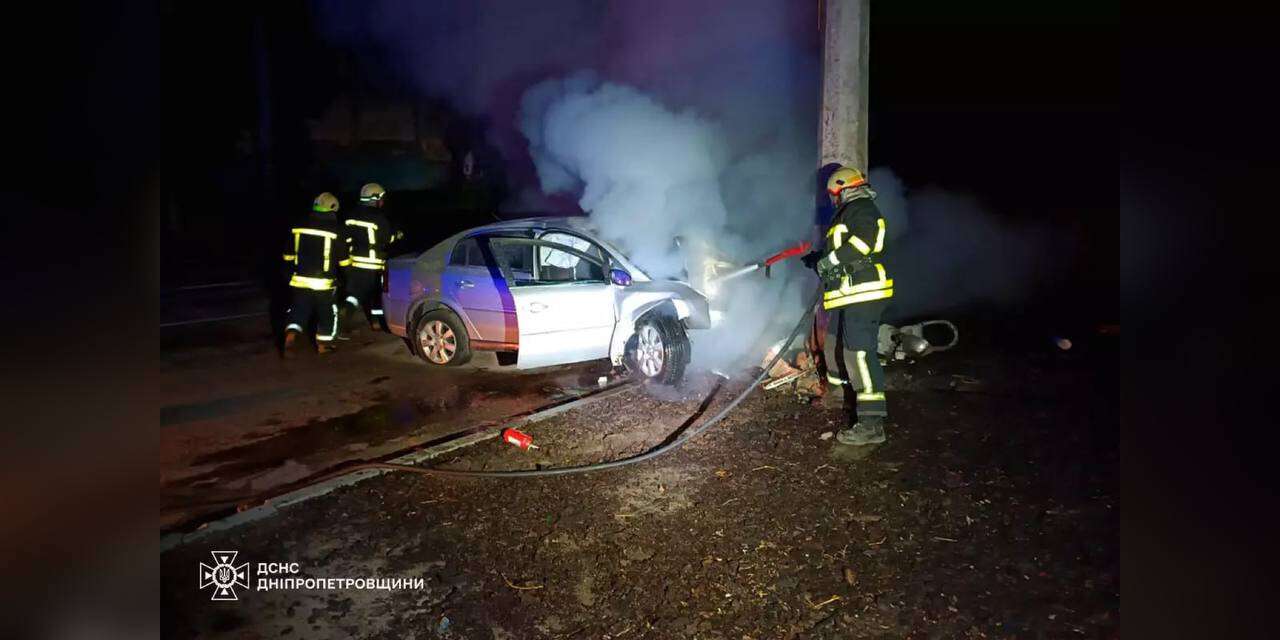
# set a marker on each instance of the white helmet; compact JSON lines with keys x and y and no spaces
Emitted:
{"x":372,"y":192}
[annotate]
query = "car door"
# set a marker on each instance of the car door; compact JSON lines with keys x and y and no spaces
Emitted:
{"x":473,"y":283}
{"x":565,"y":311}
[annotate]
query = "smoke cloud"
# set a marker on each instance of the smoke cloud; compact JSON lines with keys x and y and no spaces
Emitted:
{"x":947,"y":251}
{"x":647,"y":174}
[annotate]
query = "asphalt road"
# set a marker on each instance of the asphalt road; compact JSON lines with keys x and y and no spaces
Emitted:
{"x":238,"y":422}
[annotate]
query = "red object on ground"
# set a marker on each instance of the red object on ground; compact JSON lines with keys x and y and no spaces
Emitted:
{"x":522,"y":440}
{"x":799,"y":249}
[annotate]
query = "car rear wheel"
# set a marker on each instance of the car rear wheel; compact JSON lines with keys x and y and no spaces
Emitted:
{"x":441,"y":340}
{"x":659,"y":350}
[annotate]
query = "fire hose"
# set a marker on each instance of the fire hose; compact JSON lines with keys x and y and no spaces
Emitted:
{"x":655,"y":452}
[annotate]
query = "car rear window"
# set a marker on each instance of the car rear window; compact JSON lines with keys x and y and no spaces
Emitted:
{"x":467,"y":253}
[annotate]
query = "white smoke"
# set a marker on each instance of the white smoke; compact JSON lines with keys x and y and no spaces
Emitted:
{"x":946,"y":251}
{"x":647,"y":174}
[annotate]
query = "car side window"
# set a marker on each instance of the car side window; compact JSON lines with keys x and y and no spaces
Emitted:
{"x":467,"y":253}
{"x":459,"y":256}
{"x":555,"y":266}
{"x":515,"y":260}
{"x":475,"y":256}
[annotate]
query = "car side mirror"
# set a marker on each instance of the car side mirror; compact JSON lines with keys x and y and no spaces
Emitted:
{"x":620,"y":277}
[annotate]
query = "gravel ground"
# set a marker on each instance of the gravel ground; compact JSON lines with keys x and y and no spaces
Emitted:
{"x":991,"y":512}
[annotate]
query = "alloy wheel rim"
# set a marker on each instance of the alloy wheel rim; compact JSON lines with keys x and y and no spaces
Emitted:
{"x":438,"y":342}
{"x":649,"y":353}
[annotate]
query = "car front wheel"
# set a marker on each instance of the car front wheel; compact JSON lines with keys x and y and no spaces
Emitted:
{"x":659,"y":350}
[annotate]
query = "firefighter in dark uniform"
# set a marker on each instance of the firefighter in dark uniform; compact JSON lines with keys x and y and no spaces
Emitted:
{"x":369,"y":235}
{"x":856,"y":290}
{"x":316,"y":248}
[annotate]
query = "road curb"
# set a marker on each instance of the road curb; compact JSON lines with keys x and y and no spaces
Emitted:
{"x":273,"y":505}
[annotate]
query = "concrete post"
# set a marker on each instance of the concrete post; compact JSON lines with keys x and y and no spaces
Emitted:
{"x":842,"y":128}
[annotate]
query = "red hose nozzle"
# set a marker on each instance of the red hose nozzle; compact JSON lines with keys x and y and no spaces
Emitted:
{"x":799,"y":249}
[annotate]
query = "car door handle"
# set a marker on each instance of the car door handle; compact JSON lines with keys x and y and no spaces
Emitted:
{"x":535,"y":307}
{"x":465,"y":284}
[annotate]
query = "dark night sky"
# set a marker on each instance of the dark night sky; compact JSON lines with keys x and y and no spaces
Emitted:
{"x":1017,"y":108}
{"x":997,"y":99}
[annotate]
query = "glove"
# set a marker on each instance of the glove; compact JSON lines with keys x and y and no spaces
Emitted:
{"x":826,"y":270}
{"x":811,"y":259}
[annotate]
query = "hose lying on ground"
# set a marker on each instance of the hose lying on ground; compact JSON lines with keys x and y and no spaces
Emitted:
{"x":955,"y":334}
{"x":612,"y":464}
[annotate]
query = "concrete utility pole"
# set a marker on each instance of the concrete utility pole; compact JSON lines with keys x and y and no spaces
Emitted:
{"x":842,"y":127}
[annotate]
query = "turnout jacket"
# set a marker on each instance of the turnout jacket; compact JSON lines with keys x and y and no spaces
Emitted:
{"x":369,"y":235}
{"x":855,"y":247}
{"x":316,"y":248}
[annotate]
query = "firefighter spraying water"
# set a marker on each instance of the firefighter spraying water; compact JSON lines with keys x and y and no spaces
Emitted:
{"x":855,"y":290}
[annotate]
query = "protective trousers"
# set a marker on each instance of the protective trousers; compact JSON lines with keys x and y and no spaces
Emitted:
{"x":364,"y":290}
{"x":852,"y":360}
{"x":313,"y":303}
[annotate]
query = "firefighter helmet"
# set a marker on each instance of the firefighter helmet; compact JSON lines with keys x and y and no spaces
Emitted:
{"x":372,"y":192}
{"x":844,"y":178}
{"x":325,"y":203}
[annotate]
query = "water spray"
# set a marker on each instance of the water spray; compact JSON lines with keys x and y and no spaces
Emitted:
{"x":799,"y":249}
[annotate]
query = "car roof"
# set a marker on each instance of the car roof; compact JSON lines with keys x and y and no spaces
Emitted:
{"x":576,"y":223}
{"x":580,"y":224}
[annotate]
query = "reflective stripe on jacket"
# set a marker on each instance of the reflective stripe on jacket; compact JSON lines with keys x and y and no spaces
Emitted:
{"x":368,"y":235}
{"x":855,"y":240}
{"x":316,"y":249}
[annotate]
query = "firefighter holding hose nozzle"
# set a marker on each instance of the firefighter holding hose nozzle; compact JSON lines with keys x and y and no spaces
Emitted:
{"x":855,"y":292}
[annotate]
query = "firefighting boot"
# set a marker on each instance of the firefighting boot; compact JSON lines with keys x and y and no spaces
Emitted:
{"x":290,"y":337}
{"x":323,"y":348}
{"x":863,"y":433}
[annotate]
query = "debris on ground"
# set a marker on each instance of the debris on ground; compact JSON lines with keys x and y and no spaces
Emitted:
{"x":796,"y":371}
{"x":983,"y":515}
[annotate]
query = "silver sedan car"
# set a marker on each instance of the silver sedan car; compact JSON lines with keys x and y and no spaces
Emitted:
{"x":541,"y":292}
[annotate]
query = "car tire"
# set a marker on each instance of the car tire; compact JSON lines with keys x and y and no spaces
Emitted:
{"x":659,"y":350}
{"x":440,"y":339}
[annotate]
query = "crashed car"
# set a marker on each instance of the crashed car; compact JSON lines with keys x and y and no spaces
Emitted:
{"x":540,"y":292}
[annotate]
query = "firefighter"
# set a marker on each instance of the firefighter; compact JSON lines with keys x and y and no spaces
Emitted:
{"x":316,"y":248}
{"x":856,"y":290}
{"x":368,"y":235}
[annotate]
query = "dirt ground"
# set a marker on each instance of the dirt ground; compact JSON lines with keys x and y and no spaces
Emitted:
{"x":991,"y":512}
